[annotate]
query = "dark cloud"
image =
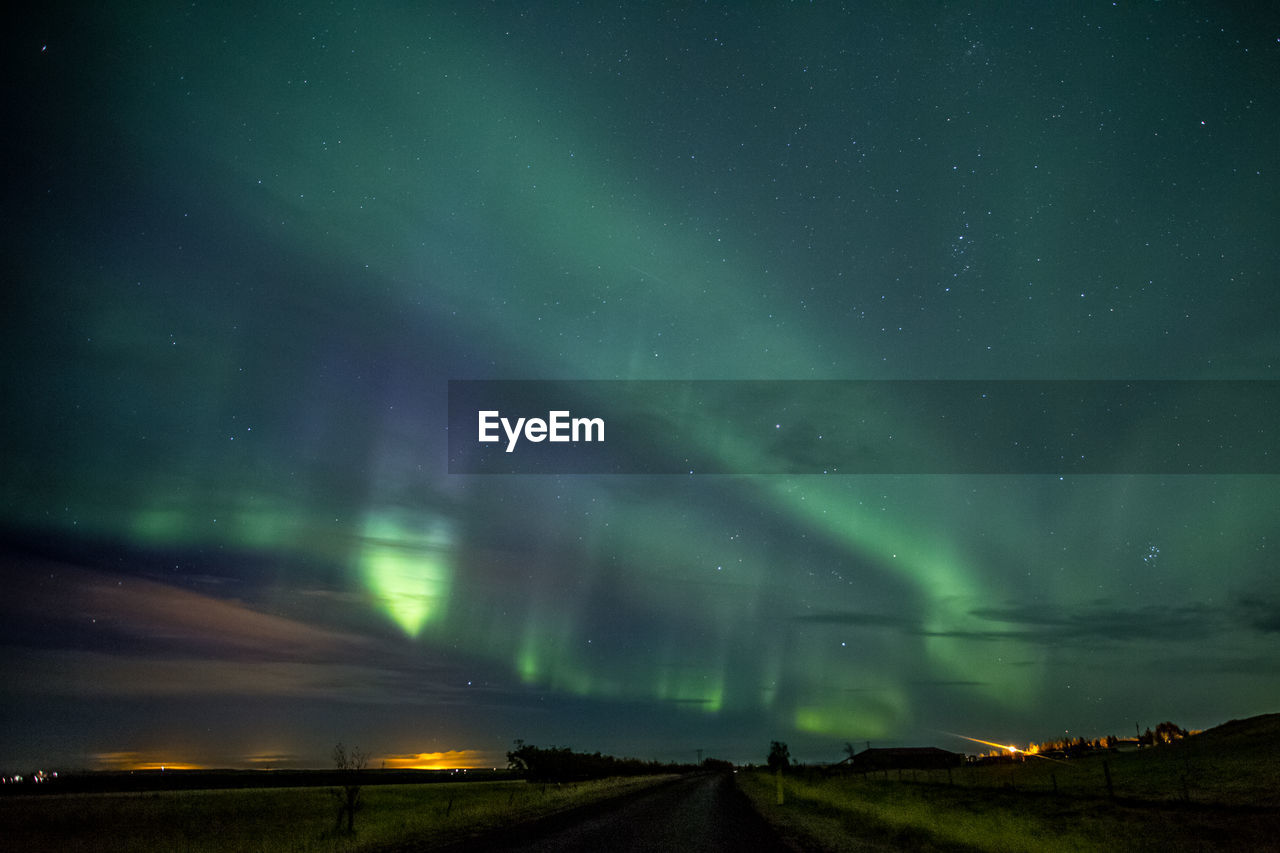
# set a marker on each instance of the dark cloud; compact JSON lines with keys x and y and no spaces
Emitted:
{"x":1098,"y":622}
{"x":1260,"y":614}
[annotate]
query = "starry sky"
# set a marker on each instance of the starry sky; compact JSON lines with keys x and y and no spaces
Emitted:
{"x":247,"y":247}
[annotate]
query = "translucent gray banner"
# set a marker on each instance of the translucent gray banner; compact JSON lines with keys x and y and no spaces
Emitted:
{"x":863,"y":427}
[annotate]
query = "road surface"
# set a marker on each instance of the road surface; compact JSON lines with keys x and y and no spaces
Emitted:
{"x":697,"y":813}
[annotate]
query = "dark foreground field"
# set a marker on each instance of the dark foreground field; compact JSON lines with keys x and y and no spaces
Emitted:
{"x":297,"y":820}
{"x":1219,"y":791}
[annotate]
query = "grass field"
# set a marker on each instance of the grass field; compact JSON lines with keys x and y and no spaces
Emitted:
{"x":276,"y":820}
{"x":1216,"y":791}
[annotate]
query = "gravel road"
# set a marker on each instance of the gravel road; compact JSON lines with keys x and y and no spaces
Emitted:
{"x":699,"y":813}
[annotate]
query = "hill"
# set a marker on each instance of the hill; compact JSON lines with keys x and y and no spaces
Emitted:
{"x":1246,"y":732}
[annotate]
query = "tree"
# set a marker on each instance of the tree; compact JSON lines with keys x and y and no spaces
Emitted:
{"x":1168,"y":732}
{"x":348,"y":765}
{"x":517,"y":759}
{"x":561,"y":764}
{"x":779,"y":755}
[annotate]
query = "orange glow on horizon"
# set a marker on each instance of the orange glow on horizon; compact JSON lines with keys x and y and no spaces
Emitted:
{"x":271,"y":761}
{"x":140,"y":761}
{"x":454,"y":759}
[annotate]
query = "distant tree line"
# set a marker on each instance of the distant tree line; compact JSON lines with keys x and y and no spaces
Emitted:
{"x":561,"y":764}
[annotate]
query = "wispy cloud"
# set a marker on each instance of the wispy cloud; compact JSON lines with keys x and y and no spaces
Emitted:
{"x":67,"y":606}
{"x":99,"y":674}
{"x":1083,"y":624}
{"x":1101,"y":621}
{"x":70,"y":631}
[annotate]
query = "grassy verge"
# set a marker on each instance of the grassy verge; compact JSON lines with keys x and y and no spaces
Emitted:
{"x":1216,"y":791}
{"x":296,"y":820}
{"x":1188,"y":772}
{"x":843,"y":813}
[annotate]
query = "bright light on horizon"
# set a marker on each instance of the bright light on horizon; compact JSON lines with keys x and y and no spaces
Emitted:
{"x":1004,"y":746}
{"x":454,"y":759}
{"x":1032,"y":750}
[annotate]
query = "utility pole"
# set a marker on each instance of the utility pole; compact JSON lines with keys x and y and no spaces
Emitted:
{"x":699,"y":757}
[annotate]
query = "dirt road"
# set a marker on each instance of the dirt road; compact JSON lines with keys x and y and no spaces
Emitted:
{"x":698,"y":813}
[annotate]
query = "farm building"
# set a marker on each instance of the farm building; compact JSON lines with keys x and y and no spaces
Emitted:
{"x":903,"y":758}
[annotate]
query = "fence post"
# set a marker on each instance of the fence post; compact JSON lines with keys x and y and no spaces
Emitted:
{"x":1106,"y":771}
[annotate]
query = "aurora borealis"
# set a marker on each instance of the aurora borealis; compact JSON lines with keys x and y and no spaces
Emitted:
{"x":247,"y":248}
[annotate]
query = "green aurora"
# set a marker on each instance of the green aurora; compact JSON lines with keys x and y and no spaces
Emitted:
{"x":250,"y":247}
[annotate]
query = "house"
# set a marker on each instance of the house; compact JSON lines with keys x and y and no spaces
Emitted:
{"x":903,"y":758}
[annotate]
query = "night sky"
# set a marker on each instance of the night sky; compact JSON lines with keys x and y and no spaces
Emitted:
{"x":247,"y":246}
